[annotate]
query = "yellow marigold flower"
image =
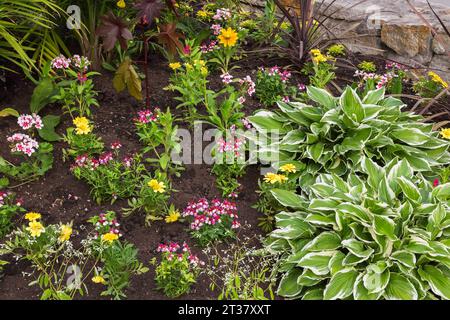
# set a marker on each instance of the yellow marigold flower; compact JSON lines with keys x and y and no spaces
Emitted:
{"x":318,"y":57}
{"x":436,"y":78}
{"x":65,"y":233}
{"x":228,"y":37}
{"x":445,"y":133}
{"x":82,"y":125}
{"x":110,"y":237}
{"x":289,"y":167}
{"x":188,"y":66}
{"x":98,"y":279}
{"x":32,"y":216}
{"x":121,"y":4}
{"x":175,"y":65}
{"x":273,"y":178}
{"x":35,"y":228}
{"x":173,"y":216}
{"x":202,"y":14}
{"x":157,"y":186}
{"x":204,"y":71}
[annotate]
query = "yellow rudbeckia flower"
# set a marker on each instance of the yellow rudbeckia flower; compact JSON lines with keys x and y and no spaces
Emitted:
{"x":228,"y":37}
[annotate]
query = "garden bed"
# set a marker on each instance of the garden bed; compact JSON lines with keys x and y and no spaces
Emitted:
{"x":62,"y":198}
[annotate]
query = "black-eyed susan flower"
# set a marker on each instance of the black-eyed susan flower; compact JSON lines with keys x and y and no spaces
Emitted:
{"x":228,"y":37}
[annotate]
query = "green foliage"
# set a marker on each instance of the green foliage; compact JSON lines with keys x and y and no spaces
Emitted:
{"x":271,"y":88}
{"x":367,"y":66}
{"x":8,"y":210}
{"x":120,"y":263}
{"x":31,"y":168}
{"x":28,"y":30}
{"x":175,"y":276}
{"x":380,"y":235}
{"x":112,"y":180}
{"x":127,"y":77}
{"x":334,"y":135}
{"x":82,"y":144}
{"x":151,"y":202}
{"x":336,"y":50}
{"x":161,"y":132}
{"x":429,"y":86}
{"x":227,"y":175}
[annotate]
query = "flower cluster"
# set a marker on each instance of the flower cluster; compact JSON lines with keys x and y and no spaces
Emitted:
{"x":205,"y":213}
{"x":173,"y":252}
{"x":61,"y":62}
{"x":226,"y":78}
{"x":284,"y":75}
{"x":23,"y":143}
{"x":222,"y":14}
{"x":273,"y":178}
{"x":106,"y":227}
{"x":381,"y":80}
{"x":437,"y":79}
{"x":234,"y":145}
{"x":147,"y":116}
{"x":216,"y":29}
{"x":318,"y":57}
{"x":6,"y":197}
{"x":84,"y":161}
{"x":211,"y":46}
{"x":27,"y":121}
{"x":35,"y":227}
{"x":248,"y":83}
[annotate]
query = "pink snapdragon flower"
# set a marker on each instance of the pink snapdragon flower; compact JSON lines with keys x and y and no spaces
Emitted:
{"x":222,"y":14}
{"x":23,"y":143}
{"x":216,"y":29}
{"x":27,"y":121}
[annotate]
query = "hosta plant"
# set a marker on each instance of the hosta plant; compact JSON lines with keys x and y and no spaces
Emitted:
{"x":381,"y":235}
{"x":332,"y":135}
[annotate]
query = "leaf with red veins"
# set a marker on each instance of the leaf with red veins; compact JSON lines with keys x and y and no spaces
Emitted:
{"x":169,"y":38}
{"x":148,"y":10}
{"x":113,"y":29}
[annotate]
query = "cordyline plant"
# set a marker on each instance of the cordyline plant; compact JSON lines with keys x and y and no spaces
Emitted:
{"x":382,"y":236}
{"x":309,"y":29}
{"x":335,"y":134}
{"x":115,"y":29}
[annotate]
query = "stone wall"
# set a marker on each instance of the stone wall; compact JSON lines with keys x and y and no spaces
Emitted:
{"x":389,"y":28}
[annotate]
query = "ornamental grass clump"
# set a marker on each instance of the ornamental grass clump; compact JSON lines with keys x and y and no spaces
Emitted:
{"x":383,"y":234}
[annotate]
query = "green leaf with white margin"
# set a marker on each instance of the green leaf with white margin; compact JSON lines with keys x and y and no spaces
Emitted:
{"x":376,"y":282}
{"x":315,"y":151}
{"x":385,"y":192}
{"x":336,"y":263}
{"x":324,"y":241}
{"x":357,"y":248}
{"x":384,"y":226}
{"x":267,"y":121}
{"x":317,"y":262}
{"x":438,"y":215}
{"x":361,"y":293}
{"x":406,"y":258}
{"x":321,"y":96}
{"x":374,"y":96}
{"x":355,"y":211}
{"x":288,"y":286}
{"x":400,"y":288}
{"x":409,"y":189}
{"x":313,"y":294}
{"x":351,"y":105}
{"x":323,"y":204}
{"x":374,"y":171}
{"x":288,"y":198}
{"x":438,"y":281}
{"x":418,"y":245}
{"x":308,"y":278}
{"x":317,"y":219}
{"x":442,"y":191}
{"x":410,"y":136}
{"x":341,"y":285}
